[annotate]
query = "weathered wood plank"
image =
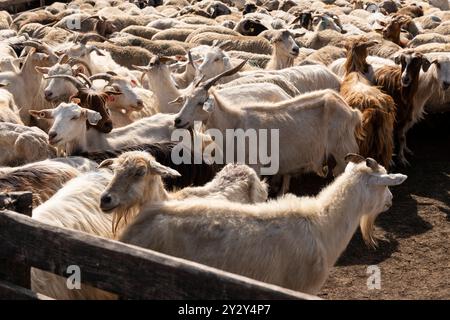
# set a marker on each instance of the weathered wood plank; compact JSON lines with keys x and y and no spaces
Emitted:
{"x":9,"y":291}
{"x":131,"y":272}
{"x":19,"y":202}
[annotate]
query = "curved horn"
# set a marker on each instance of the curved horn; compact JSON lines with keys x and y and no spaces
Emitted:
{"x":73,"y":61}
{"x":91,"y":17}
{"x":63,"y":59}
{"x":191,"y":60}
{"x":103,"y":76}
{"x":85,"y":78}
{"x":209,"y":83}
{"x":76,"y":82}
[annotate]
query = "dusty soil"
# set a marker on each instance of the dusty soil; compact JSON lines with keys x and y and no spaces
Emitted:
{"x":414,"y":250}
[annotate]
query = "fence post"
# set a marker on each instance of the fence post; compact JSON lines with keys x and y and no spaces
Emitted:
{"x":11,"y":270}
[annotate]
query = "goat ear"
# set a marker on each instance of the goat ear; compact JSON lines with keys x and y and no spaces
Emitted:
{"x":163,"y":171}
{"x":398,"y":59}
{"x":106,"y":163}
{"x":92,"y":117}
{"x":42,"y":114}
{"x":392,"y":179}
{"x":425,"y":64}
{"x":353,"y":157}
{"x":43,"y":70}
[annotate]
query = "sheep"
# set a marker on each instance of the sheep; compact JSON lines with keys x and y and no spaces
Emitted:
{"x":24,"y":144}
{"x":5,"y":20}
{"x":325,"y":55}
{"x":42,"y":178}
{"x":284,"y":51}
{"x":242,"y":43}
{"x":313,"y":106}
{"x":326,"y":223}
{"x":163,"y":47}
{"x":178,"y":34}
{"x":402,"y":84}
{"x":141,"y":31}
{"x":215,"y":29}
{"x":378,"y":108}
{"x":254,"y":59}
{"x":8,"y":109}
{"x":141,"y":174}
{"x":427,"y":38}
{"x":125,"y":56}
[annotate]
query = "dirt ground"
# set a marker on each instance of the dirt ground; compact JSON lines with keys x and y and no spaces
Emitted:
{"x":414,"y":250}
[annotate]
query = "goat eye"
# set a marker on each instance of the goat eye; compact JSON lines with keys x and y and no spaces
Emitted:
{"x":140,"y":173}
{"x":74,"y":118}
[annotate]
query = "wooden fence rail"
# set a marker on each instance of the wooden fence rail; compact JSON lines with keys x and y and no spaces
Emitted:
{"x":129,"y":271}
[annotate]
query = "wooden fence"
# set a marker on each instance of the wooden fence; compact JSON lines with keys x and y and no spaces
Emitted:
{"x":129,"y":271}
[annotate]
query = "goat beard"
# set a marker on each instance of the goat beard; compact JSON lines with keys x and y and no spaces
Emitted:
{"x":122,"y":214}
{"x":366,"y":224}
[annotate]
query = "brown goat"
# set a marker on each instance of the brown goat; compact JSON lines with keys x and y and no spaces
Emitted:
{"x":377,"y":107}
{"x":402,"y":82}
{"x":392,"y":30}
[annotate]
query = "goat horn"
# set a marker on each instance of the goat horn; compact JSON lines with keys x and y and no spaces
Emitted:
{"x":191,"y":60}
{"x":76,"y":82}
{"x":103,"y":76}
{"x":73,"y":61}
{"x":353,"y":157}
{"x":85,"y":78}
{"x":208,"y":84}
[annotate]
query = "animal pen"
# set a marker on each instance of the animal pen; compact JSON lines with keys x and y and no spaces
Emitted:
{"x":129,"y":271}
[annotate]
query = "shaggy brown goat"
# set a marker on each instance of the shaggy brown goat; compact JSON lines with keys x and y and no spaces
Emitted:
{"x":377,"y":107}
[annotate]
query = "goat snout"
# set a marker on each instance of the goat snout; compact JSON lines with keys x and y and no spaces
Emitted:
{"x":48,"y":94}
{"x":178,"y":123}
{"x":406,"y":81}
{"x":52,"y":137}
{"x":295,"y":51}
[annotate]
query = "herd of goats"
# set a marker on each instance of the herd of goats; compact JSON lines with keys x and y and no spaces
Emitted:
{"x":92,"y":91}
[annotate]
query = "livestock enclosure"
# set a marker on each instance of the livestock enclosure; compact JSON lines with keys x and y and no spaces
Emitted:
{"x":128,"y":271}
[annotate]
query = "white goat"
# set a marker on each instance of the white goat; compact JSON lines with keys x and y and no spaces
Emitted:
{"x":326,"y":124}
{"x":8,"y":109}
{"x":291,"y":242}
